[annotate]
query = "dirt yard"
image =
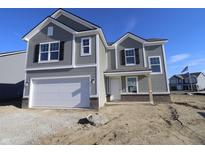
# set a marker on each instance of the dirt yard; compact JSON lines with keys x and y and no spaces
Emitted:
{"x":180,"y":122}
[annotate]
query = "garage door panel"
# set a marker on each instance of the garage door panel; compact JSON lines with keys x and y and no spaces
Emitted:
{"x":61,"y":92}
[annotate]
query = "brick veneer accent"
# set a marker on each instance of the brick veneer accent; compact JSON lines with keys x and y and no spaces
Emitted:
{"x":94,"y":104}
{"x":144,"y":97}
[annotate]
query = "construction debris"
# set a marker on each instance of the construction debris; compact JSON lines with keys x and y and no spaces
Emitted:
{"x":87,"y":120}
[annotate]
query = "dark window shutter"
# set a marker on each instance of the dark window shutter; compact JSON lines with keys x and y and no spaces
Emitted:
{"x":36,"y":54}
{"x":137,"y":56}
{"x":61,"y":57}
{"x":122,"y":55}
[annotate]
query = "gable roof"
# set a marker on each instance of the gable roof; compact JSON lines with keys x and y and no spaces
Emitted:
{"x":138,"y":38}
{"x":42,"y":24}
{"x":56,"y":14}
{"x":76,"y":18}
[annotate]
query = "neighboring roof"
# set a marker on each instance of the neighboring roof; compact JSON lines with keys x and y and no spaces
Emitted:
{"x":196,"y":74}
{"x":182,"y":76}
{"x":12,"y":53}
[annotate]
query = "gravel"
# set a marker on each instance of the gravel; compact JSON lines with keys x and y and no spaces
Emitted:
{"x":25,"y":126}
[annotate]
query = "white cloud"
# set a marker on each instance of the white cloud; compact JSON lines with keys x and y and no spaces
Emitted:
{"x":195,"y":62}
{"x":179,"y":57}
{"x":131,"y":24}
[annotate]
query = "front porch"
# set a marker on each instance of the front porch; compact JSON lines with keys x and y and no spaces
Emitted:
{"x":123,"y":86}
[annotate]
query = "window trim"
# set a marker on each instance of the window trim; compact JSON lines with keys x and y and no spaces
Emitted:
{"x":130,"y":56}
{"x":49,"y":52}
{"x":127,"y":77}
{"x":82,"y":46}
{"x":160,"y":64}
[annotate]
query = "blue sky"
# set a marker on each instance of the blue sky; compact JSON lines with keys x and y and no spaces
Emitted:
{"x":184,"y":28}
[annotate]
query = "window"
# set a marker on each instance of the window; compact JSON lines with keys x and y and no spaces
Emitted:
{"x":49,"y":51}
{"x":132,"y":84}
{"x":155,"y":64}
{"x":130,"y":57}
{"x":50,"y":31}
{"x":85,"y":46}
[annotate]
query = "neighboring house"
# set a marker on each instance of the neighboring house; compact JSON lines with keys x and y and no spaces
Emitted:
{"x":181,"y":82}
{"x":70,"y":64}
{"x":12,"y":68}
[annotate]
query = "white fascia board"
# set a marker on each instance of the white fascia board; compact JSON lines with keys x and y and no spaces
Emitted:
{"x":73,"y":17}
{"x":49,"y":68}
{"x":127,"y":73}
{"x":60,"y":67}
{"x":45,"y":23}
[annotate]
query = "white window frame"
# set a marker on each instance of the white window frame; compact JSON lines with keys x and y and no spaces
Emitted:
{"x":82,"y":46}
{"x":136,"y":84}
{"x":50,"y":31}
{"x":129,"y":56}
{"x":49,"y":52}
{"x":160,"y":64}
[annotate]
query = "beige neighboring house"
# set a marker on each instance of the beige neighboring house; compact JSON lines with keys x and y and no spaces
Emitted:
{"x":12,"y":75}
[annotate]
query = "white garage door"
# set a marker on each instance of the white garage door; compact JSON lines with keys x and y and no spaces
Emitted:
{"x":60,"y":93}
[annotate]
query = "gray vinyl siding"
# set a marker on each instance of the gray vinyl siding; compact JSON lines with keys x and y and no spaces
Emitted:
{"x":59,"y":34}
{"x":63,"y":72}
{"x":72,"y":24}
{"x":111,"y":59}
{"x":91,"y":59}
{"x":159,"y":81}
{"x":130,"y":43}
{"x":143,"y":84}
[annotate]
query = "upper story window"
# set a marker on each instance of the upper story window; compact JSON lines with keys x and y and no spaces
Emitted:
{"x":50,"y":31}
{"x":130,"y":57}
{"x":86,"y":46}
{"x":49,"y":51}
{"x":155,"y":64}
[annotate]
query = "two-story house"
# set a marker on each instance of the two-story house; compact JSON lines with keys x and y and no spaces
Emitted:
{"x":71,"y":65}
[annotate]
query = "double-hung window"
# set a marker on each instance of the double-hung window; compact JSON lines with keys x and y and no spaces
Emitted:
{"x":130,"y":57}
{"x":86,"y":46}
{"x":131,"y":84}
{"x":155,"y":64}
{"x":49,"y":51}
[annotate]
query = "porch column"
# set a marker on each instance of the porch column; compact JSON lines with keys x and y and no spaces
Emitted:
{"x":150,"y":90}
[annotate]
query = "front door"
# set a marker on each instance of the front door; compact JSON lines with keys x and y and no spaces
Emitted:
{"x":115,"y":88}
